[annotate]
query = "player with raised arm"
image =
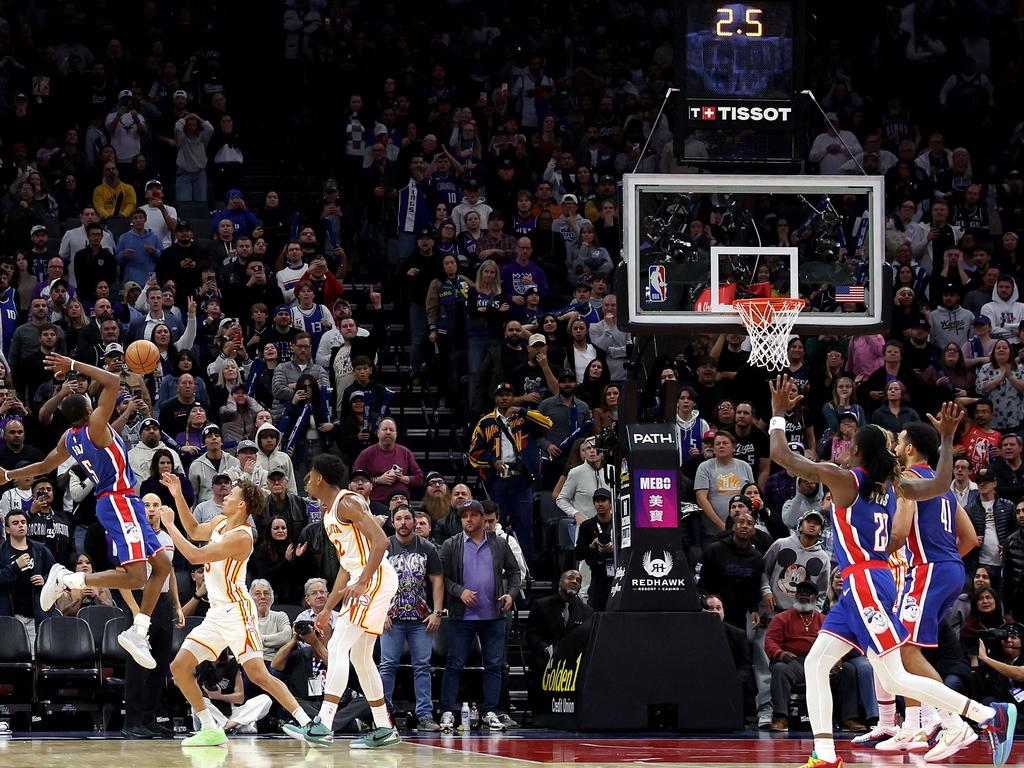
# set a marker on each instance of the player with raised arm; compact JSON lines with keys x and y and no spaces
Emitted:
{"x":365,"y":586}
{"x":936,"y":534}
{"x":231,"y":620}
{"x":864,"y":504}
{"x":101,"y":452}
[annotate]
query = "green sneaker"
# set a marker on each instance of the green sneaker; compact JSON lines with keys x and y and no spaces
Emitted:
{"x":206,"y":737}
{"x":314,"y":732}
{"x":379,"y":737}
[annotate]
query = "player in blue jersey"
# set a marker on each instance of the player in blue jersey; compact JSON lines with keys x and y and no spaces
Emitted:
{"x":863,"y":506}
{"x":935,"y":535}
{"x":102,"y":454}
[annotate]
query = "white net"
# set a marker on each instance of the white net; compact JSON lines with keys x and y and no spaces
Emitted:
{"x":769,"y":323}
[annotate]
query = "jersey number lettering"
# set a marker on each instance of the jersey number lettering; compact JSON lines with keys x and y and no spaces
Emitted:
{"x":87,"y":466}
{"x":947,"y":516}
{"x":881,"y":531}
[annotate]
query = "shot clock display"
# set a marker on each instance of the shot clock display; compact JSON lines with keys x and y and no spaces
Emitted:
{"x":739,"y":50}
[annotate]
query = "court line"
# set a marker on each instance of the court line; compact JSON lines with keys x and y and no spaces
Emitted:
{"x":474,"y":753}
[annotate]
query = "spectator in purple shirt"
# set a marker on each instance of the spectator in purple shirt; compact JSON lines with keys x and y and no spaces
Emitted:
{"x":518,"y":275}
{"x":481,"y":582}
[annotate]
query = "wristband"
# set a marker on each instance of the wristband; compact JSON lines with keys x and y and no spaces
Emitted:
{"x":777,"y":422}
{"x":72,"y":366}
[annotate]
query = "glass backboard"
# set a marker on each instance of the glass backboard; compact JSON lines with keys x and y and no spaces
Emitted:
{"x":695,"y":243}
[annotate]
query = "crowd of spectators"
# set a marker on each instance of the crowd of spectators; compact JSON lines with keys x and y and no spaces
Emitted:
{"x":478,"y":194}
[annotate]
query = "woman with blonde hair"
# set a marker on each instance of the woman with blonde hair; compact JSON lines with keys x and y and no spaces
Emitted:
{"x":228,"y":377}
{"x":486,"y":310}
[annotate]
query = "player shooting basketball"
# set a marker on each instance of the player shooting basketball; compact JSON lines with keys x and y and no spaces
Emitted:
{"x":103,"y":455}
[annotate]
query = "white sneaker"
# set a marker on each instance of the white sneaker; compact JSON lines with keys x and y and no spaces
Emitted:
{"x":138,"y":647}
{"x":951,"y":741}
{"x":905,"y":741}
{"x":877,"y":734}
{"x":447,"y":722}
{"x":491,"y":721}
{"x":53,"y":588}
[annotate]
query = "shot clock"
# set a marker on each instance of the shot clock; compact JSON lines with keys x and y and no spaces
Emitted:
{"x":739,"y":68}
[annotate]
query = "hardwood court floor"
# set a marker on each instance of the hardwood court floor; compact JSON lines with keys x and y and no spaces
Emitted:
{"x":487,"y":751}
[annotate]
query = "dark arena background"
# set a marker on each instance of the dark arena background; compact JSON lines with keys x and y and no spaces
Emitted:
{"x":524,"y":271}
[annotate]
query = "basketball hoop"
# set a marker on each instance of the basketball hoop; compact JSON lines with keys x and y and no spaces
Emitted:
{"x":769,"y":323}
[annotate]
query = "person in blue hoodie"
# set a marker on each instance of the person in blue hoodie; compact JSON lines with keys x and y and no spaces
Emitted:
{"x":138,"y":250}
{"x":235,"y":210}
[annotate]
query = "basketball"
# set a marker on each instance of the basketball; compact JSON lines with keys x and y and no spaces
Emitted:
{"x":142,"y":357}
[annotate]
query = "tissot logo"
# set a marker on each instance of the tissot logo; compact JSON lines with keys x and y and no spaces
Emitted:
{"x":657,"y":438}
{"x":742,"y":114}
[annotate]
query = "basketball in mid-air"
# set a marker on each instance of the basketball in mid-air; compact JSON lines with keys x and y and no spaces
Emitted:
{"x":142,"y":357}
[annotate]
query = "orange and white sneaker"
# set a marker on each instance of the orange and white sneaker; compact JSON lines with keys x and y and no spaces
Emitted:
{"x":906,"y":741}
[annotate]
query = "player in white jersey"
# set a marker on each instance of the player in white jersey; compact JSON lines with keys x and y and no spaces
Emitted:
{"x":365,"y":585}
{"x":231,"y":620}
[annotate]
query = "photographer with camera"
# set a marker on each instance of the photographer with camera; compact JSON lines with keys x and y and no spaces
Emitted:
{"x":302,"y":664}
{"x":316,"y":591}
{"x":999,"y":676}
{"x":47,"y":526}
{"x":224,"y":695}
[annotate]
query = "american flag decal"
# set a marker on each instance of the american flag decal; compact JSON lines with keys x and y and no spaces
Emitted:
{"x":850,"y":293}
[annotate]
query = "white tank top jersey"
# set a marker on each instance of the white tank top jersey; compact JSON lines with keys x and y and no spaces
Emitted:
{"x":225,"y":579}
{"x":349,"y":542}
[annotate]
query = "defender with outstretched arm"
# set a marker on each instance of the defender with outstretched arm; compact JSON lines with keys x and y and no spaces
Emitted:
{"x":864,"y":504}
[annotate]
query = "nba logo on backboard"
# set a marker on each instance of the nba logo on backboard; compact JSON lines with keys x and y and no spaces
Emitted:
{"x":657,"y":286}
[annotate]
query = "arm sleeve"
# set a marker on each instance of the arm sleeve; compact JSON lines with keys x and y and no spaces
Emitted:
{"x":188,"y":338}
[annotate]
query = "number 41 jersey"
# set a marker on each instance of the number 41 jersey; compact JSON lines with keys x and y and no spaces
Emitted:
{"x":932,"y":537}
{"x":861,"y":531}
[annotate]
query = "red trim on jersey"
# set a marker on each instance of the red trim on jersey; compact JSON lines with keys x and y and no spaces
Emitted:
{"x":136,"y":549}
{"x":120,"y":460}
{"x":117,"y":493}
{"x":865,"y":596}
{"x":921,"y":576}
{"x":846,"y":535}
{"x":858,"y":568}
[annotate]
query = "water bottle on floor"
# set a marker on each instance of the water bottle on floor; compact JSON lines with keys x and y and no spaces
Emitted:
{"x":464,"y":723}
{"x":474,"y":717}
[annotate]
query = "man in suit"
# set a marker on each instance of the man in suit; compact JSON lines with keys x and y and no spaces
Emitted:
{"x":553,"y":617}
{"x":142,"y":327}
